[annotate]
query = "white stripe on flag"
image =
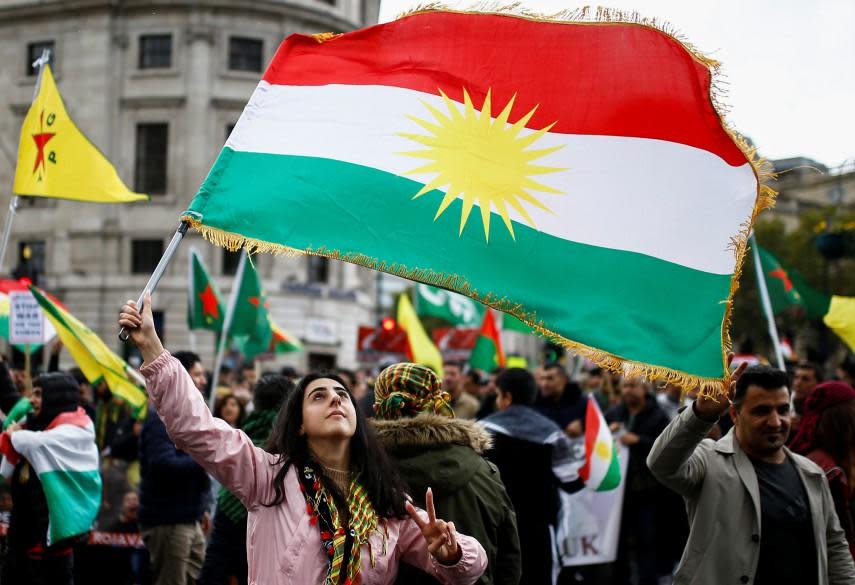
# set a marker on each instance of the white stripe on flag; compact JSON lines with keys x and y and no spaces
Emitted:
{"x":663,"y":199}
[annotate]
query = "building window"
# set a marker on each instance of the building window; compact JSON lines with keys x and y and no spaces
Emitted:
{"x":229,"y":129}
{"x":145,"y":254}
{"x":245,"y":54}
{"x":150,"y":164}
{"x":230,"y":262}
{"x":32,"y":257}
{"x":155,"y":51}
{"x":330,"y":2}
{"x":319,"y":269}
{"x":34,"y":52}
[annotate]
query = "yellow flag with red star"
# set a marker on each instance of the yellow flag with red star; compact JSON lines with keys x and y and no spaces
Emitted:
{"x":55,"y":159}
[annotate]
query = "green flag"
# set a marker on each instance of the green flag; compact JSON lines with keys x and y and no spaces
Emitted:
{"x":456,"y":309}
{"x":204,"y":304}
{"x":788,"y":288}
{"x":511,"y":323}
{"x":816,"y":303}
{"x":250,"y":326}
{"x":487,"y":355}
{"x":782,"y":293}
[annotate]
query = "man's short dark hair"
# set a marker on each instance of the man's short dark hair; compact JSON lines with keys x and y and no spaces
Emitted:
{"x":556,"y":366}
{"x":817,"y":370}
{"x":271,"y":391}
{"x":458,"y":364}
{"x":187,"y":358}
{"x":765,"y":377}
{"x":289,"y":372}
{"x":520,"y":384}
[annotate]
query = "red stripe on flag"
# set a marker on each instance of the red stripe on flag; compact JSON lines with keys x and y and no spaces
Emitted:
{"x":598,"y":79}
{"x":489,"y":329}
{"x":592,"y":429}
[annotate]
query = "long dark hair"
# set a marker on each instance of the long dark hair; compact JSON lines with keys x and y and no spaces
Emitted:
{"x":378,"y":476}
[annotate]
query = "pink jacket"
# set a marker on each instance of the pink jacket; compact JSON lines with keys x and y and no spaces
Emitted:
{"x":282,"y":546}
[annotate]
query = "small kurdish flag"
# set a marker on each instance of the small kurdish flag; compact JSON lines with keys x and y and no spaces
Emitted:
{"x":514,"y":172}
{"x":487,"y":354}
{"x":205,"y":307}
{"x":601,"y":471}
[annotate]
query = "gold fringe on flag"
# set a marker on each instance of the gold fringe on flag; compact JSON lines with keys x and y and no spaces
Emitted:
{"x":713,"y":387}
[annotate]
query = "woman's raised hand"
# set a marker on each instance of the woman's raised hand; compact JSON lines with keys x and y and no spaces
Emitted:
{"x":141,"y":328}
{"x":440,"y":535}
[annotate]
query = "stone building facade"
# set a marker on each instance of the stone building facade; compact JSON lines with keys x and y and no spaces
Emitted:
{"x":804,"y":184}
{"x":157,"y":86}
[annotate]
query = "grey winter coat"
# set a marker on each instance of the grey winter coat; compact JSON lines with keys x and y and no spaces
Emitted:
{"x":719,"y":484}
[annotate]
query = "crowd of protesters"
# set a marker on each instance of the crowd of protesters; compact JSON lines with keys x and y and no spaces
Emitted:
{"x":398,"y":476}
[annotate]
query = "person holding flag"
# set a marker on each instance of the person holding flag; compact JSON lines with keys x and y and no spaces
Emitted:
{"x":322,"y":461}
{"x":758,"y":512}
{"x":51,"y":460}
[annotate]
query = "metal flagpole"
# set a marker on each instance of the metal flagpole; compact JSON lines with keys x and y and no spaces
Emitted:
{"x":159,"y":270}
{"x":13,"y":204}
{"x":767,"y":305}
{"x":227,"y":323}
{"x":191,"y":300}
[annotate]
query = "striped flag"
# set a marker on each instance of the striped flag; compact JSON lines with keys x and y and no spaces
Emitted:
{"x":65,"y":457}
{"x":601,"y":470}
{"x":574,"y":174}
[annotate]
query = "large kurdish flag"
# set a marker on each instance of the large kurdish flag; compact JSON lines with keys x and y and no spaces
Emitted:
{"x":574,"y":174}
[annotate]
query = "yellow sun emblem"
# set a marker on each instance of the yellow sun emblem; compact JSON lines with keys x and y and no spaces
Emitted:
{"x":484,"y":160}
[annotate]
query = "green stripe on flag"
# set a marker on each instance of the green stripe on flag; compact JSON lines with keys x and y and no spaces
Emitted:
{"x":612,"y":478}
{"x":76,"y":497}
{"x":634,"y":306}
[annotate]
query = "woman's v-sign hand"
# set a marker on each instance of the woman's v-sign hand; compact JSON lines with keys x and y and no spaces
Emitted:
{"x":440,"y":535}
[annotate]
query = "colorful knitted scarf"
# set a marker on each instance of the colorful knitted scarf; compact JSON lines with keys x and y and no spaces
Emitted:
{"x":405,"y":390}
{"x":341,"y":543}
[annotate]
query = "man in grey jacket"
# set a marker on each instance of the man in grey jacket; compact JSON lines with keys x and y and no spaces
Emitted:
{"x":758,"y":513}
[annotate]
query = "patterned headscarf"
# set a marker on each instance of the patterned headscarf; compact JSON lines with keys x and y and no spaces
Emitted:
{"x":405,"y":389}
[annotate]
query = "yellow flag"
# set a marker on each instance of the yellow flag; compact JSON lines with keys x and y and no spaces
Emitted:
{"x":55,"y":159}
{"x":92,"y":356}
{"x":841,"y":319}
{"x":422,"y":349}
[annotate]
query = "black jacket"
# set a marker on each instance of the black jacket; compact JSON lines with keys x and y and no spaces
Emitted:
{"x":445,"y":454}
{"x":648,"y":425}
{"x":527,"y":472}
{"x":174,"y":489}
{"x":571,"y":406}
